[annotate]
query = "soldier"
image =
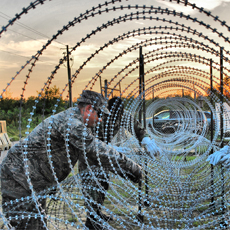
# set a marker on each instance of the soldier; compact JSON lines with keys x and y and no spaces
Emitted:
{"x":115,"y":124}
{"x":46,"y":156}
{"x":116,"y":106}
{"x":109,"y":128}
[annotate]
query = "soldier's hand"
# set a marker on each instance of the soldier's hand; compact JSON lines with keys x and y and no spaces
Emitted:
{"x":219,"y":156}
{"x":151,"y":147}
{"x":120,"y":149}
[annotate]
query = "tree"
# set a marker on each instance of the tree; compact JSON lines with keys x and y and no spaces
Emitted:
{"x":48,"y":99}
{"x":43,"y":107}
{"x":226,"y":87}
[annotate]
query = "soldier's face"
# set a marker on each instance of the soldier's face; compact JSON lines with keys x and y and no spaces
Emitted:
{"x":93,"y":118}
{"x":90,"y":116}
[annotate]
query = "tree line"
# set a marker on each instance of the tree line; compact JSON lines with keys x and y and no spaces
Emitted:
{"x":16,"y":112}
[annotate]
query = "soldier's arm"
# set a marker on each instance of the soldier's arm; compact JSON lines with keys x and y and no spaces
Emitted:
{"x":113,"y":161}
{"x":145,"y":139}
{"x":135,"y":127}
{"x":95,"y":152}
{"x":140,"y":131}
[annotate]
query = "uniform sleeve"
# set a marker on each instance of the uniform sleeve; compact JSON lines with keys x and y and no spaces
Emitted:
{"x":140,"y":131}
{"x":94,"y":152}
{"x":113,"y":161}
{"x":137,"y":128}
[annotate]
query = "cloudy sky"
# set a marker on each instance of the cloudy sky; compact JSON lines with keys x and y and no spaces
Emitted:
{"x":27,"y":36}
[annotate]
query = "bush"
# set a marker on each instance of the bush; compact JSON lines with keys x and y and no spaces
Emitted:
{"x":16,"y":112}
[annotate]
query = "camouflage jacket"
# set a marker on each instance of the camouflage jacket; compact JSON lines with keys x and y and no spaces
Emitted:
{"x":65,"y":136}
{"x":106,"y":136}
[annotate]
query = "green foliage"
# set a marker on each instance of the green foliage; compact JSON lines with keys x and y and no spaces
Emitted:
{"x":17,"y":111}
{"x":188,"y":158}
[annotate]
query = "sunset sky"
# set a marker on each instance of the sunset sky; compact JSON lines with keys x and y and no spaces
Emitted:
{"x":27,"y":36}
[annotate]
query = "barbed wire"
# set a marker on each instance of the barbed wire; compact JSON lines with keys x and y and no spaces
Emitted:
{"x":184,"y":191}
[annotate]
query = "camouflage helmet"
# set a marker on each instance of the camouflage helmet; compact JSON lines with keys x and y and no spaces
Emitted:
{"x":96,"y":99}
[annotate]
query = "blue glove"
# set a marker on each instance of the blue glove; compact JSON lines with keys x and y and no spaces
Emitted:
{"x":219,"y":156}
{"x":151,"y":146}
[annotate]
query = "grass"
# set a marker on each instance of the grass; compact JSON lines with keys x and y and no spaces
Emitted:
{"x":169,"y":207}
{"x":13,"y":132}
{"x":179,"y":158}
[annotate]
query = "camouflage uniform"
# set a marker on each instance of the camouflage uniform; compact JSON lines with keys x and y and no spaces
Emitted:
{"x":96,"y":187}
{"x":66,"y":126}
{"x":139,"y":131}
